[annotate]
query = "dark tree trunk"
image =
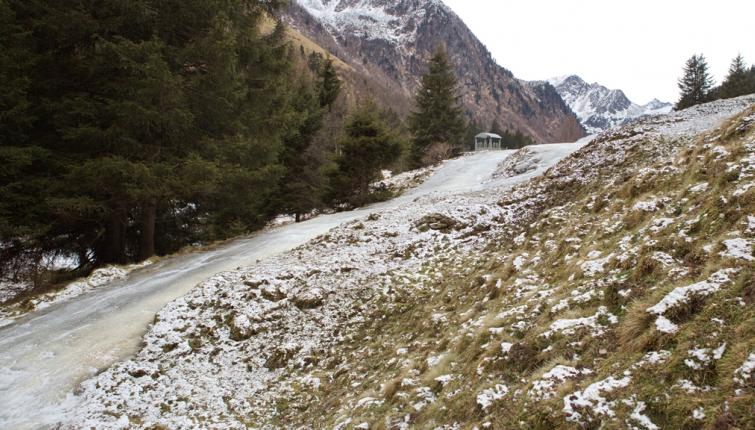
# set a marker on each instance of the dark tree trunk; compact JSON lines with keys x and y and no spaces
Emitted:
{"x":364,"y":188}
{"x":115,"y":239}
{"x":147,"y":242}
{"x":83,"y":258}
{"x":298,"y":217}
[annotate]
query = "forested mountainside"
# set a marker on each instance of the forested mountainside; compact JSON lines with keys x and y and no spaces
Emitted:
{"x":389,"y":43}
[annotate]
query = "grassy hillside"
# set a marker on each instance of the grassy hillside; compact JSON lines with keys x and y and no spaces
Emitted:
{"x":357,"y":87}
{"x":615,"y":291}
{"x":626,"y":303}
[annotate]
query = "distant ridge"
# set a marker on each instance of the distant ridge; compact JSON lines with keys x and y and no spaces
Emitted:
{"x":600,"y":108}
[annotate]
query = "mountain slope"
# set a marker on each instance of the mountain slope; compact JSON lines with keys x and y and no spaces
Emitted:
{"x":389,"y":42}
{"x":600,"y":108}
{"x":615,"y":290}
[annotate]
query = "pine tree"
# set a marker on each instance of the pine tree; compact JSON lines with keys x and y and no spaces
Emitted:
{"x":329,"y":84}
{"x":438,"y":119}
{"x":73,"y":81}
{"x":473,"y":129}
{"x":146,"y":121}
{"x":314,"y":62}
{"x":367,"y":147}
{"x":15,"y":59}
{"x":300,"y":186}
{"x":696,"y":83}
{"x":23,"y":215}
{"x":131,"y":127}
{"x":241,"y":104}
{"x":737,"y":82}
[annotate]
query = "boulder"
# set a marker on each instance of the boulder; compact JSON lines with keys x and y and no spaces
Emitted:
{"x":438,"y":222}
{"x":309,"y":299}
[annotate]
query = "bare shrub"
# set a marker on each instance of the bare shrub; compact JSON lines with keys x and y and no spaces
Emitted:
{"x":436,"y":153}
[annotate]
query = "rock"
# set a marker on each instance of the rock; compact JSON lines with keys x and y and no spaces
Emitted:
{"x":438,"y":222}
{"x":241,"y":328}
{"x":279,"y":358}
{"x":137,"y":373}
{"x":309,"y":299}
{"x":254,"y":284}
{"x":272,"y":293}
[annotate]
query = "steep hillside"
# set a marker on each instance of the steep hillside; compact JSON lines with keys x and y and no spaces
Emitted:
{"x":614,"y":290}
{"x":389,"y":43}
{"x":355,"y":85}
{"x":599,"y":108}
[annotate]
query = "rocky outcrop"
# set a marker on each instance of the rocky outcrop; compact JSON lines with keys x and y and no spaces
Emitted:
{"x":599,"y":108}
{"x":390,"y":42}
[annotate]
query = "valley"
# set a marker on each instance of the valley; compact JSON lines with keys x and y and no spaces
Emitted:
{"x":351,"y":215}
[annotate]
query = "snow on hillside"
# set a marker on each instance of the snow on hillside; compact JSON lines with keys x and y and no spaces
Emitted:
{"x":368,"y":19}
{"x":98,"y":278}
{"x":599,"y":108}
{"x":612,"y":290}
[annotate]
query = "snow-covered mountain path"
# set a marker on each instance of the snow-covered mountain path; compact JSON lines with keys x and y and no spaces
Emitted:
{"x":44,"y":355}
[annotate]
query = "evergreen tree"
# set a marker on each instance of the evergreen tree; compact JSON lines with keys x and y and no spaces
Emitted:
{"x":367,"y":147}
{"x":314,"y":62}
{"x":696,"y":83}
{"x":144,"y":121}
{"x":300,"y":185}
{"x":329,"y":84}
{"x":15,"y":59}
{"x":73,"y":82}
{"x":473,"y":129}
{"x":737,"y":81}
{"x":438,"y":119}
{"x":23,"y":215}
{"x":135,"y":127}
{"x":242,"y":108}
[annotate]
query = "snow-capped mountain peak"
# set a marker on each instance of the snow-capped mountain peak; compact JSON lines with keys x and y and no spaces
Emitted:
{"x":600,"y":108}
{"x":371,"y":19}
{"x":387,"y":44}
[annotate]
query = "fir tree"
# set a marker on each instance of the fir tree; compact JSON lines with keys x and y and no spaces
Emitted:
{"x":472,"y":130}
{"x":329,"y":84}
{"x":300,"y":185}
{"x":367,"y":147}
{"x":23,"y":214}
{"x":314,"y":62}
{"x":135,"y":127}
{"x":737,"y":81}
{"x":438,"y":119}
{"x":242,"y":108}
{"x":696,"y":83}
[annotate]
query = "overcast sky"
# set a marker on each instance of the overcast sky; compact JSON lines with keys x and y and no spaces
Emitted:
{"x":639,"y":46}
